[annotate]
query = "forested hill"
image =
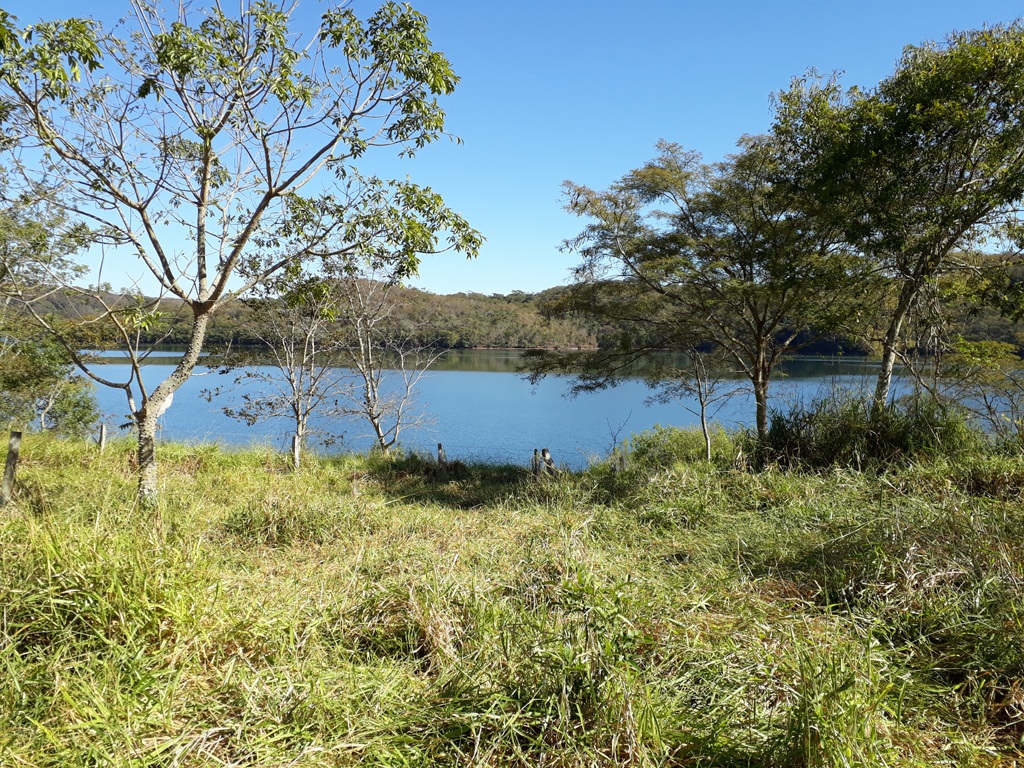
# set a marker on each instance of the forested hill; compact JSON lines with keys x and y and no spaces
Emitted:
{"x":453,"y":321}
{"x":465,"y":320}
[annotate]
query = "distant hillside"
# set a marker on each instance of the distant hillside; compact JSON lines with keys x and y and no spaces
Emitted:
{"x":470,"y":320}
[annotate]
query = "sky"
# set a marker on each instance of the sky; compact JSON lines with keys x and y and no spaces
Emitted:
{"x":555,"y":90}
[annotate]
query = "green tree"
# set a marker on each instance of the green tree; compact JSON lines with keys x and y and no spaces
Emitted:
{"x":679,"y":253}
{"x":39,"y":389}
{"x":920,"y":171}
{"x":38,"y":242}
{"x":38,"y":386}
{"x":218,"y":152}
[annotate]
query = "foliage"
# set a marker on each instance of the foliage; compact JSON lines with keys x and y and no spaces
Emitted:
{"x":842,"y":429}
{"x":455,"y":321}
{"x":988,"y":378}
{"x":515,"y":320}
{"x":920,"y":171}
{"x":730,"y":261}
{"x":196,"y":126}
{"x":37,"y":244}
{"x":39,"y":389}
{"x":665,"y":447}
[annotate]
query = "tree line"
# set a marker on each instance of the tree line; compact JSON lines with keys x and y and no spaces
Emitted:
{"x":877,"y":213}
{"x":453,"y":321}
{"x":517,"y":320}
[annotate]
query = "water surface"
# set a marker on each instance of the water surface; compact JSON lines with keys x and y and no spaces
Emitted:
{"x":483,"y":410}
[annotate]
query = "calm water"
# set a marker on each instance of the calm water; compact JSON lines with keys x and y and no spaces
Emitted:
{"x":483,"y":410}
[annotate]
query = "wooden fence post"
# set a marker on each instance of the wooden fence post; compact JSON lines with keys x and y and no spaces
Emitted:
{"x":12,"y":463}
{"x":295,"y":453}
{"x":103,"y":437}
{"x":549,"y":463}
{"x":535,"y":463}
{"x":618,"y":461}
{"x":440,"y":455}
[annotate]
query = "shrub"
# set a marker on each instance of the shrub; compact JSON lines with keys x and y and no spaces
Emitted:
{"x":843,"y":430}
{"x":663,"y":447}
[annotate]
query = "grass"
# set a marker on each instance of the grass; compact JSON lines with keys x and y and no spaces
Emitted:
{"x":676,"y":613}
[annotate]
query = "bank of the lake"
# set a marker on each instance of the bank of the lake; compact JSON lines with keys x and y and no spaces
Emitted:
{"x":374,"y":614}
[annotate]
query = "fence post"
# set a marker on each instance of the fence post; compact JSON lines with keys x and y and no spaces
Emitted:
{"x":535,"y":463}
{"x":103,"y":437}
{"x":549,"y":463}
{"x":295,"y":452}
{"x":12,"y":463}
{"x":440,"y":455}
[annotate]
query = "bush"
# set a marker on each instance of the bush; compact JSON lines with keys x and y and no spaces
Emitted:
{"x":664,"y":447}
{"x":843,"y":430}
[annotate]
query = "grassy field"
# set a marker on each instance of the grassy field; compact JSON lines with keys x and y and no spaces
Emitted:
{"x":363,"y":612}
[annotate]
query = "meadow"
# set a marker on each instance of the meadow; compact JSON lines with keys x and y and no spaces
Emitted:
{"x":365,"y":612}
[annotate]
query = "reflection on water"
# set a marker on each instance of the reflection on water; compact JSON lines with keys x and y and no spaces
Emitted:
{"x":490,"y":360}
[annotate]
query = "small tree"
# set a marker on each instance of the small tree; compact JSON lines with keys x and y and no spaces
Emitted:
{"x":39,"y":388}
{"x":293,"y":373}
{"x":38,"y":385}
{"x":987,"y":377}
{"x":386,"y":363}
{"x":203,"y":143}
{"x":705,"y":377}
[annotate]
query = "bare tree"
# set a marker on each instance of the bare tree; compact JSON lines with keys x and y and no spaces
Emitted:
{"x":987,"y":379}
{"x":293,"y":374}
{"x":705,"y":377}
{"x":207,"y":145}
{"x":386,"y":365}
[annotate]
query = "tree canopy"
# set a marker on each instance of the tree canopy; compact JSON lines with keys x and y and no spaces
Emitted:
{"x":684,"y":253}
{"x":919,"y":172}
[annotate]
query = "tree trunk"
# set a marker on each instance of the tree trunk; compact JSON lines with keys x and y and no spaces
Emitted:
{"x":147,"y":492}
{"x":704,"y":429}
{"x":381,"y":438}
{"x":889,"y":344}
{"x":761,"y":399}
{"x":156,"y":404}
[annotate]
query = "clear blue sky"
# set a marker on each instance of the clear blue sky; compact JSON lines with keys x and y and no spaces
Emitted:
{"x":558,"y":89}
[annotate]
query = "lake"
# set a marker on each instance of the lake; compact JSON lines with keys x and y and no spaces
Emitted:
{"x":483,"y":410}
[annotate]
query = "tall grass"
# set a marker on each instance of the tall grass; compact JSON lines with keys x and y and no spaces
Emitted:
{"x":847,"y":431}
{"x":391,"y":613}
